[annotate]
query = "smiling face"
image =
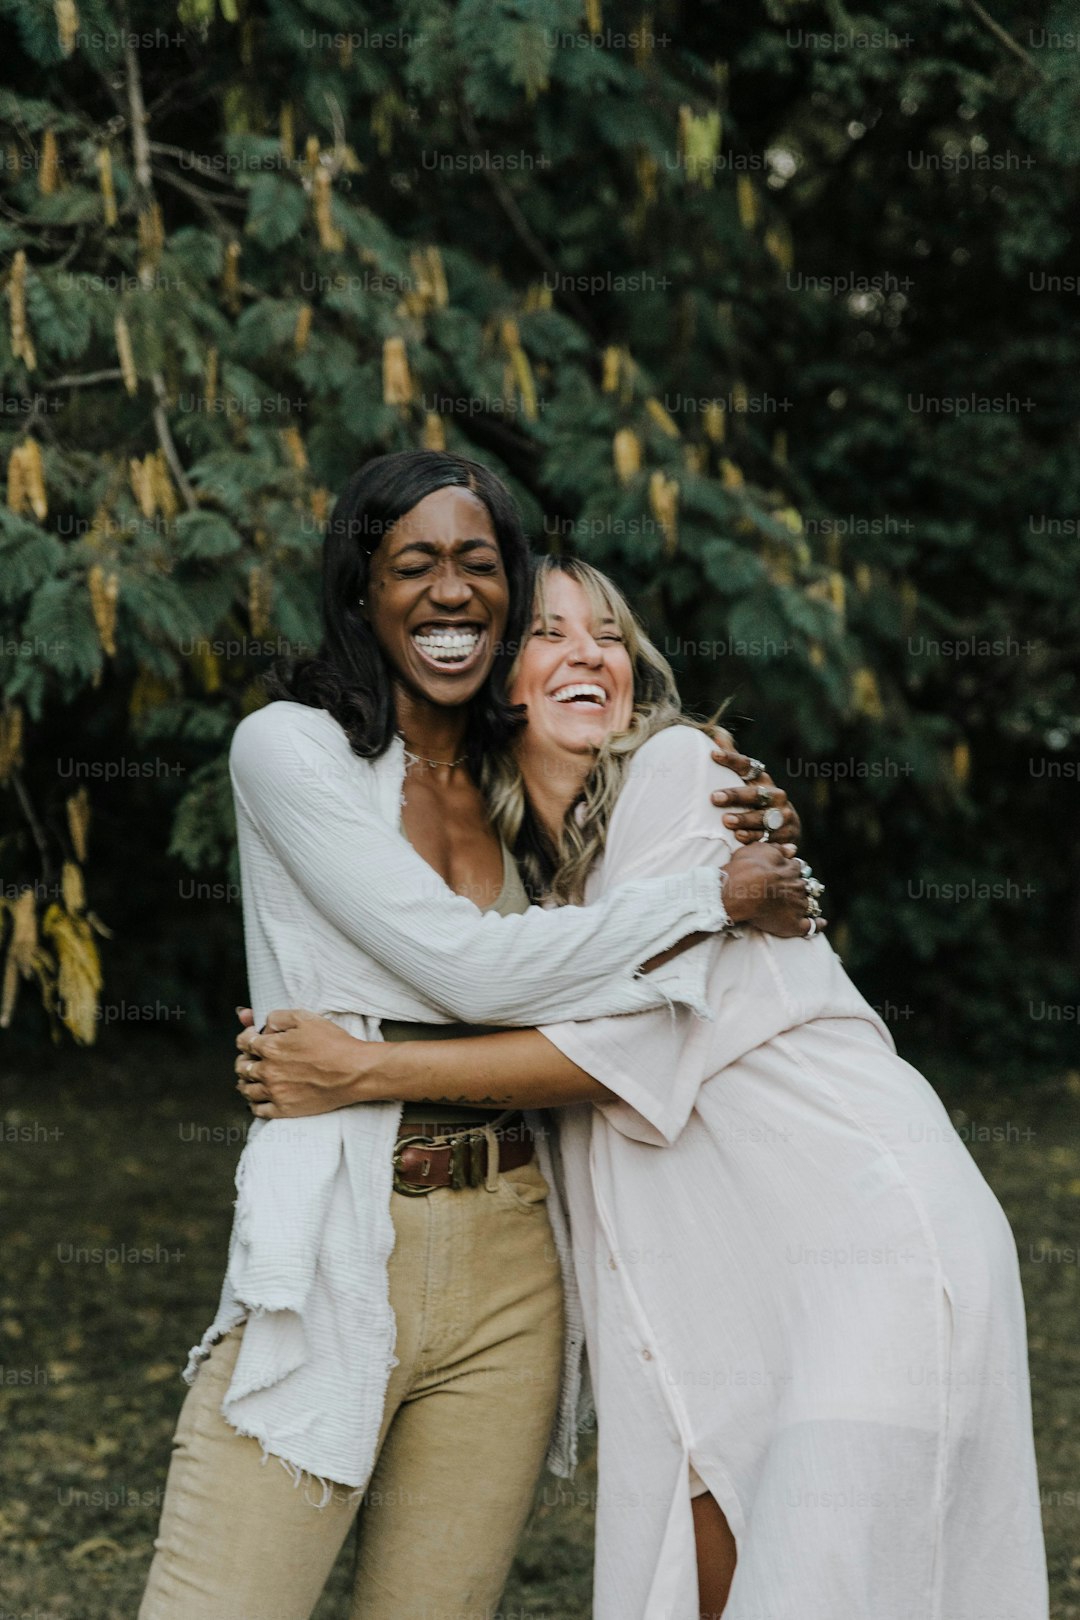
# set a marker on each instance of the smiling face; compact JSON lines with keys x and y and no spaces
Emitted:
{"x":574,"y":673}
{"x":438,"y":597}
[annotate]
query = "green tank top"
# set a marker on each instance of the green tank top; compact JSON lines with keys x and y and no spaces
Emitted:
{"x":511,"y":898}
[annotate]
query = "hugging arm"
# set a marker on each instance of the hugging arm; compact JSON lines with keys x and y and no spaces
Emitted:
{"x":309,"y":1065}
{"x":298,"y":790}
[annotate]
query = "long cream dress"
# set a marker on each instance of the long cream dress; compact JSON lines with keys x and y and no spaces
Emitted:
{"x":794,"y":1280}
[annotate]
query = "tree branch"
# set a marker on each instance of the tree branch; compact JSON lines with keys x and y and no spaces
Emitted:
{"x":505,"y":197}
{"x":87,"y":380}
{"x":1003,"y":37}
{"x":140,"y":146}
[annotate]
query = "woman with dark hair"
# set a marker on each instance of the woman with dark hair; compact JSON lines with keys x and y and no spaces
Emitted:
{"x":363,"y":1320}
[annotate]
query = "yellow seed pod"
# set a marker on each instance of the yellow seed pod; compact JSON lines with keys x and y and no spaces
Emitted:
{"x":660,"y":416}
{"x":302,"y":329}
{"x":714,"y":418}
{"x":815,"y":652}
{"x":126,"y":355}
{"x":434,"y":434}
{"x":961,"y":763}
{"x":330,"y":238}
{"x":151,"y":239}
{"x":79,"y":979}
{"x":864,"y":578}
{"x":142,"y":484}
{"x":746,"y":201}
{"x":520,"y":370}
{"x":26,"y":480}
{"x":664,"y":502}
{"x":148,"y":692}
{"x":260,"y":596}
{"x":778,"y":247}
{"x":49,"y":168}
{"x":626,"y":451}
{"x":22,"y":346}
{"x":430,"y":278}
{"x":11,"y":740}
{"x":612,"y":369}
{"x":23,"y":953}
{"x":397,"y":382}
{"x":866,"y":695}
{"x":644,"y":44}
{"x":909,"y":602}
{"x":72,"y":887}
{"x":791,"y":518}
{"x":699,"y":143}
{"x":538,"y":297}
{"x":319,"y":502}
{"x":695,"y":458}
{"x":594,"y":20}
{"x":837,"y":592}
{"x":162,"y":485}
{"x":731,"y":475}
{"x":230,"y":276}
{"x":78,"y":820}
{"x":287,"y":132}
{"x":67,"y":24}
{"x":105,"y":181}
{"x":294,"y":447}
{"x":104,"y":591}
{"x":210,"y":388}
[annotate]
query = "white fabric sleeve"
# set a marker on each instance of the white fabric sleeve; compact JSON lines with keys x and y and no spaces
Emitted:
{"x":295,"y":777}
{"x":657,"y":1061}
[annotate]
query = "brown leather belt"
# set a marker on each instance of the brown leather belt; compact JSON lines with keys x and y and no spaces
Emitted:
{"x":430,"y":1155}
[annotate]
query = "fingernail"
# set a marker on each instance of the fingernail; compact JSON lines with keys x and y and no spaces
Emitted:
{"x":731,"y":821}
{"x":238,"y":1011}
{"x":721,"y":798}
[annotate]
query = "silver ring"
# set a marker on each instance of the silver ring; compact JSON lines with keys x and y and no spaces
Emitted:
{"x":773,"y":819}
{"x":812,"y":908}
{"x":757,"y":767}
{"x":814,"y":886}
{"x":764,"y":797}
{"x":812,"y":930}
{"x":765,"y":836}
{"x":806,"y":869}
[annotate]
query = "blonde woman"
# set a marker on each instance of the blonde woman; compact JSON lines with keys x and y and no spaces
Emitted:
{"x":802,"y":1302}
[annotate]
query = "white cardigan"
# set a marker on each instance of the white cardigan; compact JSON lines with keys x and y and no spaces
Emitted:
{"x":342,"y":916}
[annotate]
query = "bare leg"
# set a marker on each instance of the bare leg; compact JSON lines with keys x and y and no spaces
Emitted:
{"x":715,"y":1556}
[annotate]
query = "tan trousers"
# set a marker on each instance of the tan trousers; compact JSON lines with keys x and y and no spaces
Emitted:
{"x":476,"y":1290}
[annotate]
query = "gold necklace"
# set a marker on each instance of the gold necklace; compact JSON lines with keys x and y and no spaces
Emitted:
{"x":433,"y":764}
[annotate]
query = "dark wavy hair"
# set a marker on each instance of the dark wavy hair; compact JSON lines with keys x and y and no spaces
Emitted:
{"x":349,"y":676}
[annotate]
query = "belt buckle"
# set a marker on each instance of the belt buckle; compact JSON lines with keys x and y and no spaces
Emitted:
{"x":409,"y":1188}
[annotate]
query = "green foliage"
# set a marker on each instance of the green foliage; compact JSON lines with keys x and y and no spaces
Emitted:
{"x":769,"y":311}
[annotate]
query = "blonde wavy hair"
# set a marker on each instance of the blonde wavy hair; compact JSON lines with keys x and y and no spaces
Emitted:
{"x":559,"y":871}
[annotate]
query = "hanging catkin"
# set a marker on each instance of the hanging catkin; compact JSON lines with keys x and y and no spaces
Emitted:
{"x":21,"y":344}
{"x":126,"y":355}
{"x":626,"y":453}
{"x":67,"y":24}
{"x":49,"y":168}
{"x":397,"y":383}
{"x":105,"y":181}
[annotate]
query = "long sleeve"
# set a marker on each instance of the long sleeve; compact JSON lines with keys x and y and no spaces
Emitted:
{"x":296,"y":781}
{"x":656,"y":1061}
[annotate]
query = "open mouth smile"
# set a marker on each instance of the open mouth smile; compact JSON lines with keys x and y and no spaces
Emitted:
{"x":585,"y":696}
{"x":450,"y":647}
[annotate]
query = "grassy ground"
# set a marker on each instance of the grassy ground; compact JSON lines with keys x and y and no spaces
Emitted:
{"x":134,"y":1146}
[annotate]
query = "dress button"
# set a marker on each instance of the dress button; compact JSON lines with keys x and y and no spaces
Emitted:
{"x":646,"y":1355}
